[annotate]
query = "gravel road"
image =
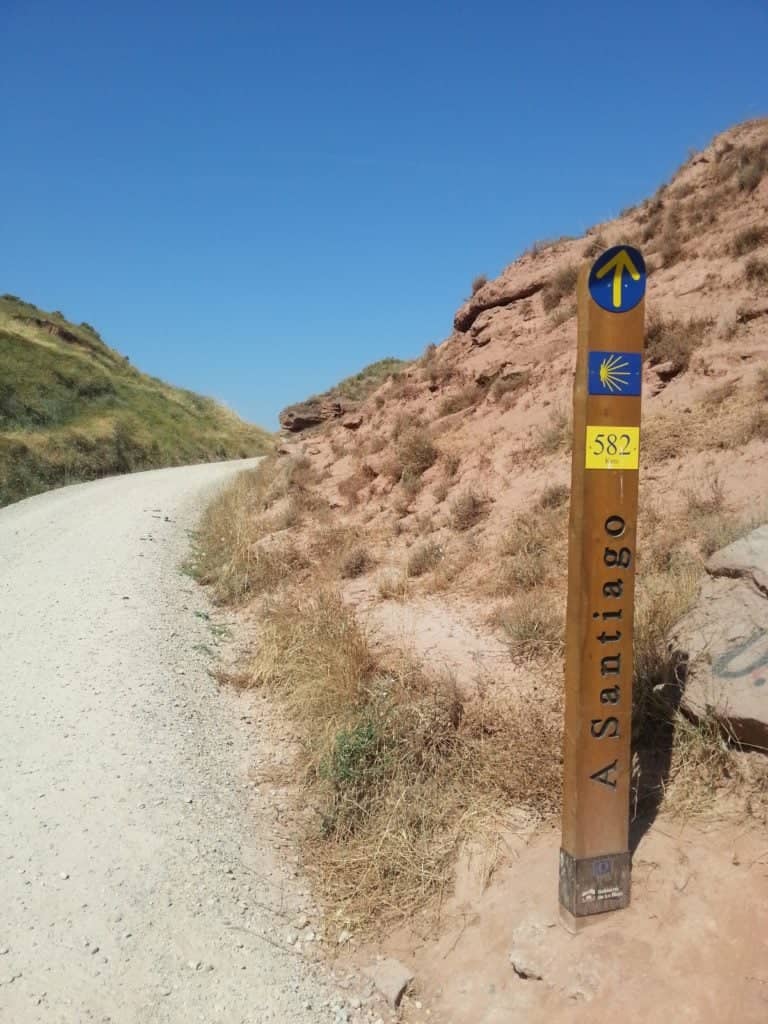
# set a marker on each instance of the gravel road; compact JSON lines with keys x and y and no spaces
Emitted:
{"x":139,"y":882}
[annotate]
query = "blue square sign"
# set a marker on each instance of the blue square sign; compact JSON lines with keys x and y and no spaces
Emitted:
{"x":615,"y":373}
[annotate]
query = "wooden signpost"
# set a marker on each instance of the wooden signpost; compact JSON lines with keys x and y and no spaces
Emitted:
{"x":594,"y":856}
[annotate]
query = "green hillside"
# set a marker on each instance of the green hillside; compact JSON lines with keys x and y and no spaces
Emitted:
{"x":71,"y":408}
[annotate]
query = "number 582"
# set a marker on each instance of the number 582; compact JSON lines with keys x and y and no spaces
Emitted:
{"x":612,"y":444}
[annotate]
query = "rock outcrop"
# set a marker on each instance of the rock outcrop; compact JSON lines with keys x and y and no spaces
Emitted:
{"x":312,"y":413}
{"x":725,"y":638}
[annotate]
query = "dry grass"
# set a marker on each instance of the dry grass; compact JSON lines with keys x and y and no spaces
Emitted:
{"x":351,"y":486}
{"x":416,"y":452}
{"x":662,"y":600}
{"x":594,"y":247}
{"x":533,"y":624}
{"x":467,"y":509}
{"x":719,"y":394}
{"x":356,"y":562}
{"x":750,"y":238}
{"x":398,"y":771}
{"x":709,"y":500}
{"x":554,"y":496}
{"x":670,"y":340}
{"x":756,"y":271}
{"x":758,"y":425}
{"x":753,"y":163}
{"x":563,"y":314}
{"x":393,"y":586}
{"x":511,"y":385}
{"x":440,"y":492}
{"x":671,"y":243}
{"x":423,"y":558}
{"x":761,"y":384}
{"x":718,"y":530}
{"x":562,"y":284}
{"x":455,"y":562}
{"x":706,"y":763}
{"x":479,"y":282}
{"x":556,"y":434}
{"x":238,"y":553}
{"x":528,"y":552}
{"x":451,"y":462}
{"x":464,"y":398}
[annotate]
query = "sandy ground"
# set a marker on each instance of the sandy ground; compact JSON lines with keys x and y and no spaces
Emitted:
{"x":693,"y":946}
{"x":140,"y":879}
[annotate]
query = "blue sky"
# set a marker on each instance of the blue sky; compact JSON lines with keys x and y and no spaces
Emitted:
{"x":253,"y":200}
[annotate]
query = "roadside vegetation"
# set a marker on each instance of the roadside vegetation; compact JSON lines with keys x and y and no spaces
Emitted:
{"x":73,"y":409}
{"x":442,"y":502}
{"x":399,"y":767}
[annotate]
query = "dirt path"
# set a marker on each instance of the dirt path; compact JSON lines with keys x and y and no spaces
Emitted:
{"x":139,"y":882}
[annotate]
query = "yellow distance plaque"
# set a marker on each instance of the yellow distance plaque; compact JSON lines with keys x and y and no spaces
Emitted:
{"x":612,"y":448}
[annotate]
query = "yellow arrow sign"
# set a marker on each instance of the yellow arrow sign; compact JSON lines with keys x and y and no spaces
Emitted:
{"x":618,"y":264}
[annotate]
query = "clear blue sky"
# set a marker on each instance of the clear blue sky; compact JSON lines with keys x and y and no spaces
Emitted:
{"x":255,"y":199}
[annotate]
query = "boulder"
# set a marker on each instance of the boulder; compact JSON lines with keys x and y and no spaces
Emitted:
{"x":725,"y":640}
{"x":493,"y":294}
{"x":312,"y":413}
{"x":391,"y":978}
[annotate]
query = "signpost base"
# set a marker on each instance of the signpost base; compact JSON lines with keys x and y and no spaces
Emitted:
{"x":594,"y":885}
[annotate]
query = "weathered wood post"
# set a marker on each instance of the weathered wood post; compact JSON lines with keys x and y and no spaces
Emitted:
{"x":594,"y":856}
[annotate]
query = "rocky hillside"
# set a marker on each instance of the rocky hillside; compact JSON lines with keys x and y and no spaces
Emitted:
{"x":456,"y":443}
{"x":340,"y":401}
{"x":407,"y":566}
{"x":71,"y":408}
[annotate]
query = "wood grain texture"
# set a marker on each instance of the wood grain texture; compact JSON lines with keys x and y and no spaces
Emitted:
{"x":599,"y":627}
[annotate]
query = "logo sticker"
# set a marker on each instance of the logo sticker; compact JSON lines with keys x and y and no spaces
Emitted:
{"x":614,"y":373}
{"x":613,"y":448}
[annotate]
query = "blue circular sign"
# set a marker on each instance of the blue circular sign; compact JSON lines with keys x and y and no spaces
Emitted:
{"x":617,"y":279}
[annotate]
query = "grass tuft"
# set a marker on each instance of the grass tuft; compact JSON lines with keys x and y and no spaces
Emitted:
{"x":356,"y":562}
{"x":756,"y":271}
{"x":753,"y":237}
{"x":556,"y":434}
{"x":533,"y":624}
{"x":563,"y":284}
{"x":671,"y":340}
{"x":424,"y":557}
{"x":554,"y":496}
{"x":416,"y":452}
{"x":467,"y":509}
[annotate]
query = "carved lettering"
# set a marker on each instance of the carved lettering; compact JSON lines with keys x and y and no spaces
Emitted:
{"x":610,"y":695}
{"x":610,"y":665}
{"x":613,"y":588}
{"x":622,"y":557}
{"x":600,"y":726}
{"x":615,"y":526}
{"x":608,"y":621}
{"x":609,"y":638}
{"x":603,"y":775}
